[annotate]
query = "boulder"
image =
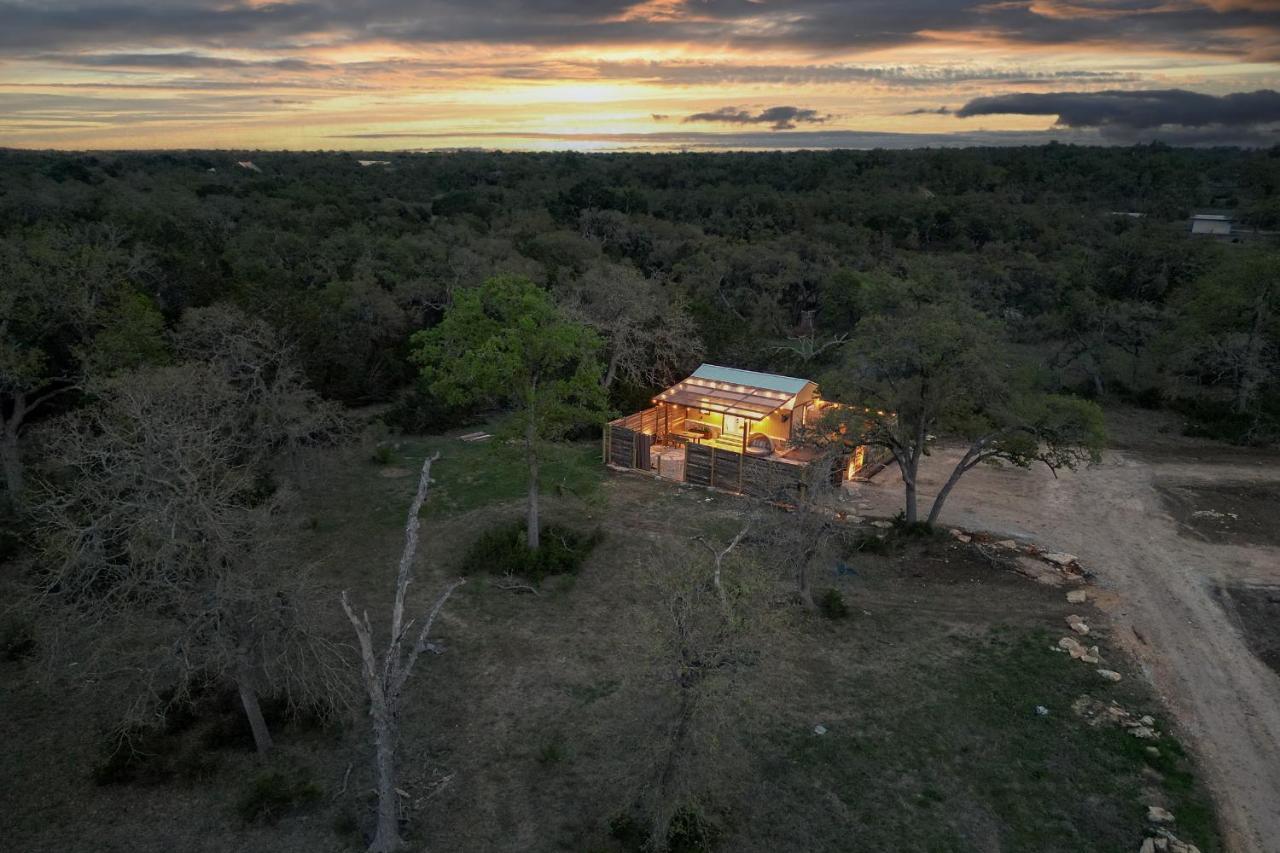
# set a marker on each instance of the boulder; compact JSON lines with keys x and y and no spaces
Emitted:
{"x":1156,"y":814}
{"x":1148,"y":846}
{"x":1007,"y":544}
{"x":1143,"y":732}
{"x":1062,"y":560}
{"x":1077,"y":624}
{"x":1110,"y":674}
{"x":1077,"y":596}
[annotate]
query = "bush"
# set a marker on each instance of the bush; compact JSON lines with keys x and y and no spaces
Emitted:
{"x":417,"y":411}
{"x":1215,"y":419}
{"x":628,"y":832}
{"x":505,"y":551}
{"x":692,"y":831}
{"x":383,"y":455}
{"x":273,"y":795}
{"x":831,"y":604}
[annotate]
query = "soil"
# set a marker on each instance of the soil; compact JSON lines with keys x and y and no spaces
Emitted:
{"x":1157,"y":567}
{"x":1234,"y":513}
{"x":1258,"y":612}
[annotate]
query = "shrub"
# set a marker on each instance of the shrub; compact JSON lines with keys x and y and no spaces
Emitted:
{"x":273,"y":795}
{"x":692,"y":831}
{"x":383,"y":455}
{"x":505,"y":551}
{"x":831,"y":604}
{"x":628,"y":832}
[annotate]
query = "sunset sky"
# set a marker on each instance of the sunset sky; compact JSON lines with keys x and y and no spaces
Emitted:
{"x":615,"y":74}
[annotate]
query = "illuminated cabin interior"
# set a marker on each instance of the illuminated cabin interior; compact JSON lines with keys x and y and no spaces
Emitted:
{"x":731,"y":416}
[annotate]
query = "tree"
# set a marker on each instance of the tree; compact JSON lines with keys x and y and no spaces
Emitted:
{"x":649,"y":337}
{"x":505,"y":342}
{"x":1229,"y":325}
{"x":385,"y":674}
{"x":707,"y":624}
{"x":940,"y":369}
{"x":65,"y":310}
{"x":158,"y":524}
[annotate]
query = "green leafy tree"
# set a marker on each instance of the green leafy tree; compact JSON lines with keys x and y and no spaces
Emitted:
{"x":1229,"y":325}
{"x":506,"y":343}
{"x":939,"y":369}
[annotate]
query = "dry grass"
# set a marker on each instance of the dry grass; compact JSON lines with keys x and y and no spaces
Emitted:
{"x":538,"y":724}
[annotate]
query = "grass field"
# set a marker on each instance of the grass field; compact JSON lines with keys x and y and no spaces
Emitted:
{"x":535,"y":729}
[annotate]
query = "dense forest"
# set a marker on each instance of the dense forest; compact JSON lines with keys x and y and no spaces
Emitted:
{"x":1083,"y":253}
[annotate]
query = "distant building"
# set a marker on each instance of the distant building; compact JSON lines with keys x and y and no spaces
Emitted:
{"x":1217,"y":224}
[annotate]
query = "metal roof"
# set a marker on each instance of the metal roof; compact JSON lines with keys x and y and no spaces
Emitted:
{"x":730,"y":391}
{"x":750,"y":378}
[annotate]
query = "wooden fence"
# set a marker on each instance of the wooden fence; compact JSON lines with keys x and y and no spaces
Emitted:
{"x":733,"y":472}
{"x":627,"y":440}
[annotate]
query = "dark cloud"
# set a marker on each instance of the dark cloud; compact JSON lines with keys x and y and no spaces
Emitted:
{"x":780,"y":118}
{"x":702,"y":73}
{"x":1239,"y":28}
{"x":748,"y":140}
{"x":928,"y":111}
{"x":175,"y":60}
{"x":1136,"y":110}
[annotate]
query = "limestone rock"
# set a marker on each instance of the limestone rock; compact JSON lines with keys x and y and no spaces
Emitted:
{"x":1077,"y":596}
{"x":1110,"y":674}
{"x":1062,"y":560}
{"x":1156,"y":814}
{"x":1078,"y":624}
{"x":1007,"y":544}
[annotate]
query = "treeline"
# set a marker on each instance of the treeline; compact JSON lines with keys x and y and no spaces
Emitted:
{"x":758,"y":260}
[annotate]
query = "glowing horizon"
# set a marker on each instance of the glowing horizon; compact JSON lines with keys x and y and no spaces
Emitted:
{"x":616,"y":74}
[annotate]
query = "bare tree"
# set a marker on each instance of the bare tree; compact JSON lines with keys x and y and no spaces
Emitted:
{"x":385,"y":673}
{"x":706,"y":623}
{"x":649,"y":335}
{"x":160,"y":544}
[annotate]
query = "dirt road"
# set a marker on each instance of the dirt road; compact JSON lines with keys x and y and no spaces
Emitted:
{"x":1163,"y":604}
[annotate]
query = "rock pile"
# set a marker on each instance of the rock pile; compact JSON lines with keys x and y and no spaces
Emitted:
{"x":1162,"y":840}
{"x":1072,"y":646}
{"x":1098,"y":713}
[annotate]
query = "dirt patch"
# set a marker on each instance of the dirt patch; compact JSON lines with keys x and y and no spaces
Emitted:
{"x":1258,"y":611}
{"x":1228,"y":513}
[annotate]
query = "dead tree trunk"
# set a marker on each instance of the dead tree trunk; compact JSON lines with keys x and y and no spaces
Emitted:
{"x":719,"y":558}
{"x":253,"y":710}
{"x":385,"y":674}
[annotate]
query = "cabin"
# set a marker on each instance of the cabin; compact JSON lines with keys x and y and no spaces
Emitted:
{"x":730,"y":429}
